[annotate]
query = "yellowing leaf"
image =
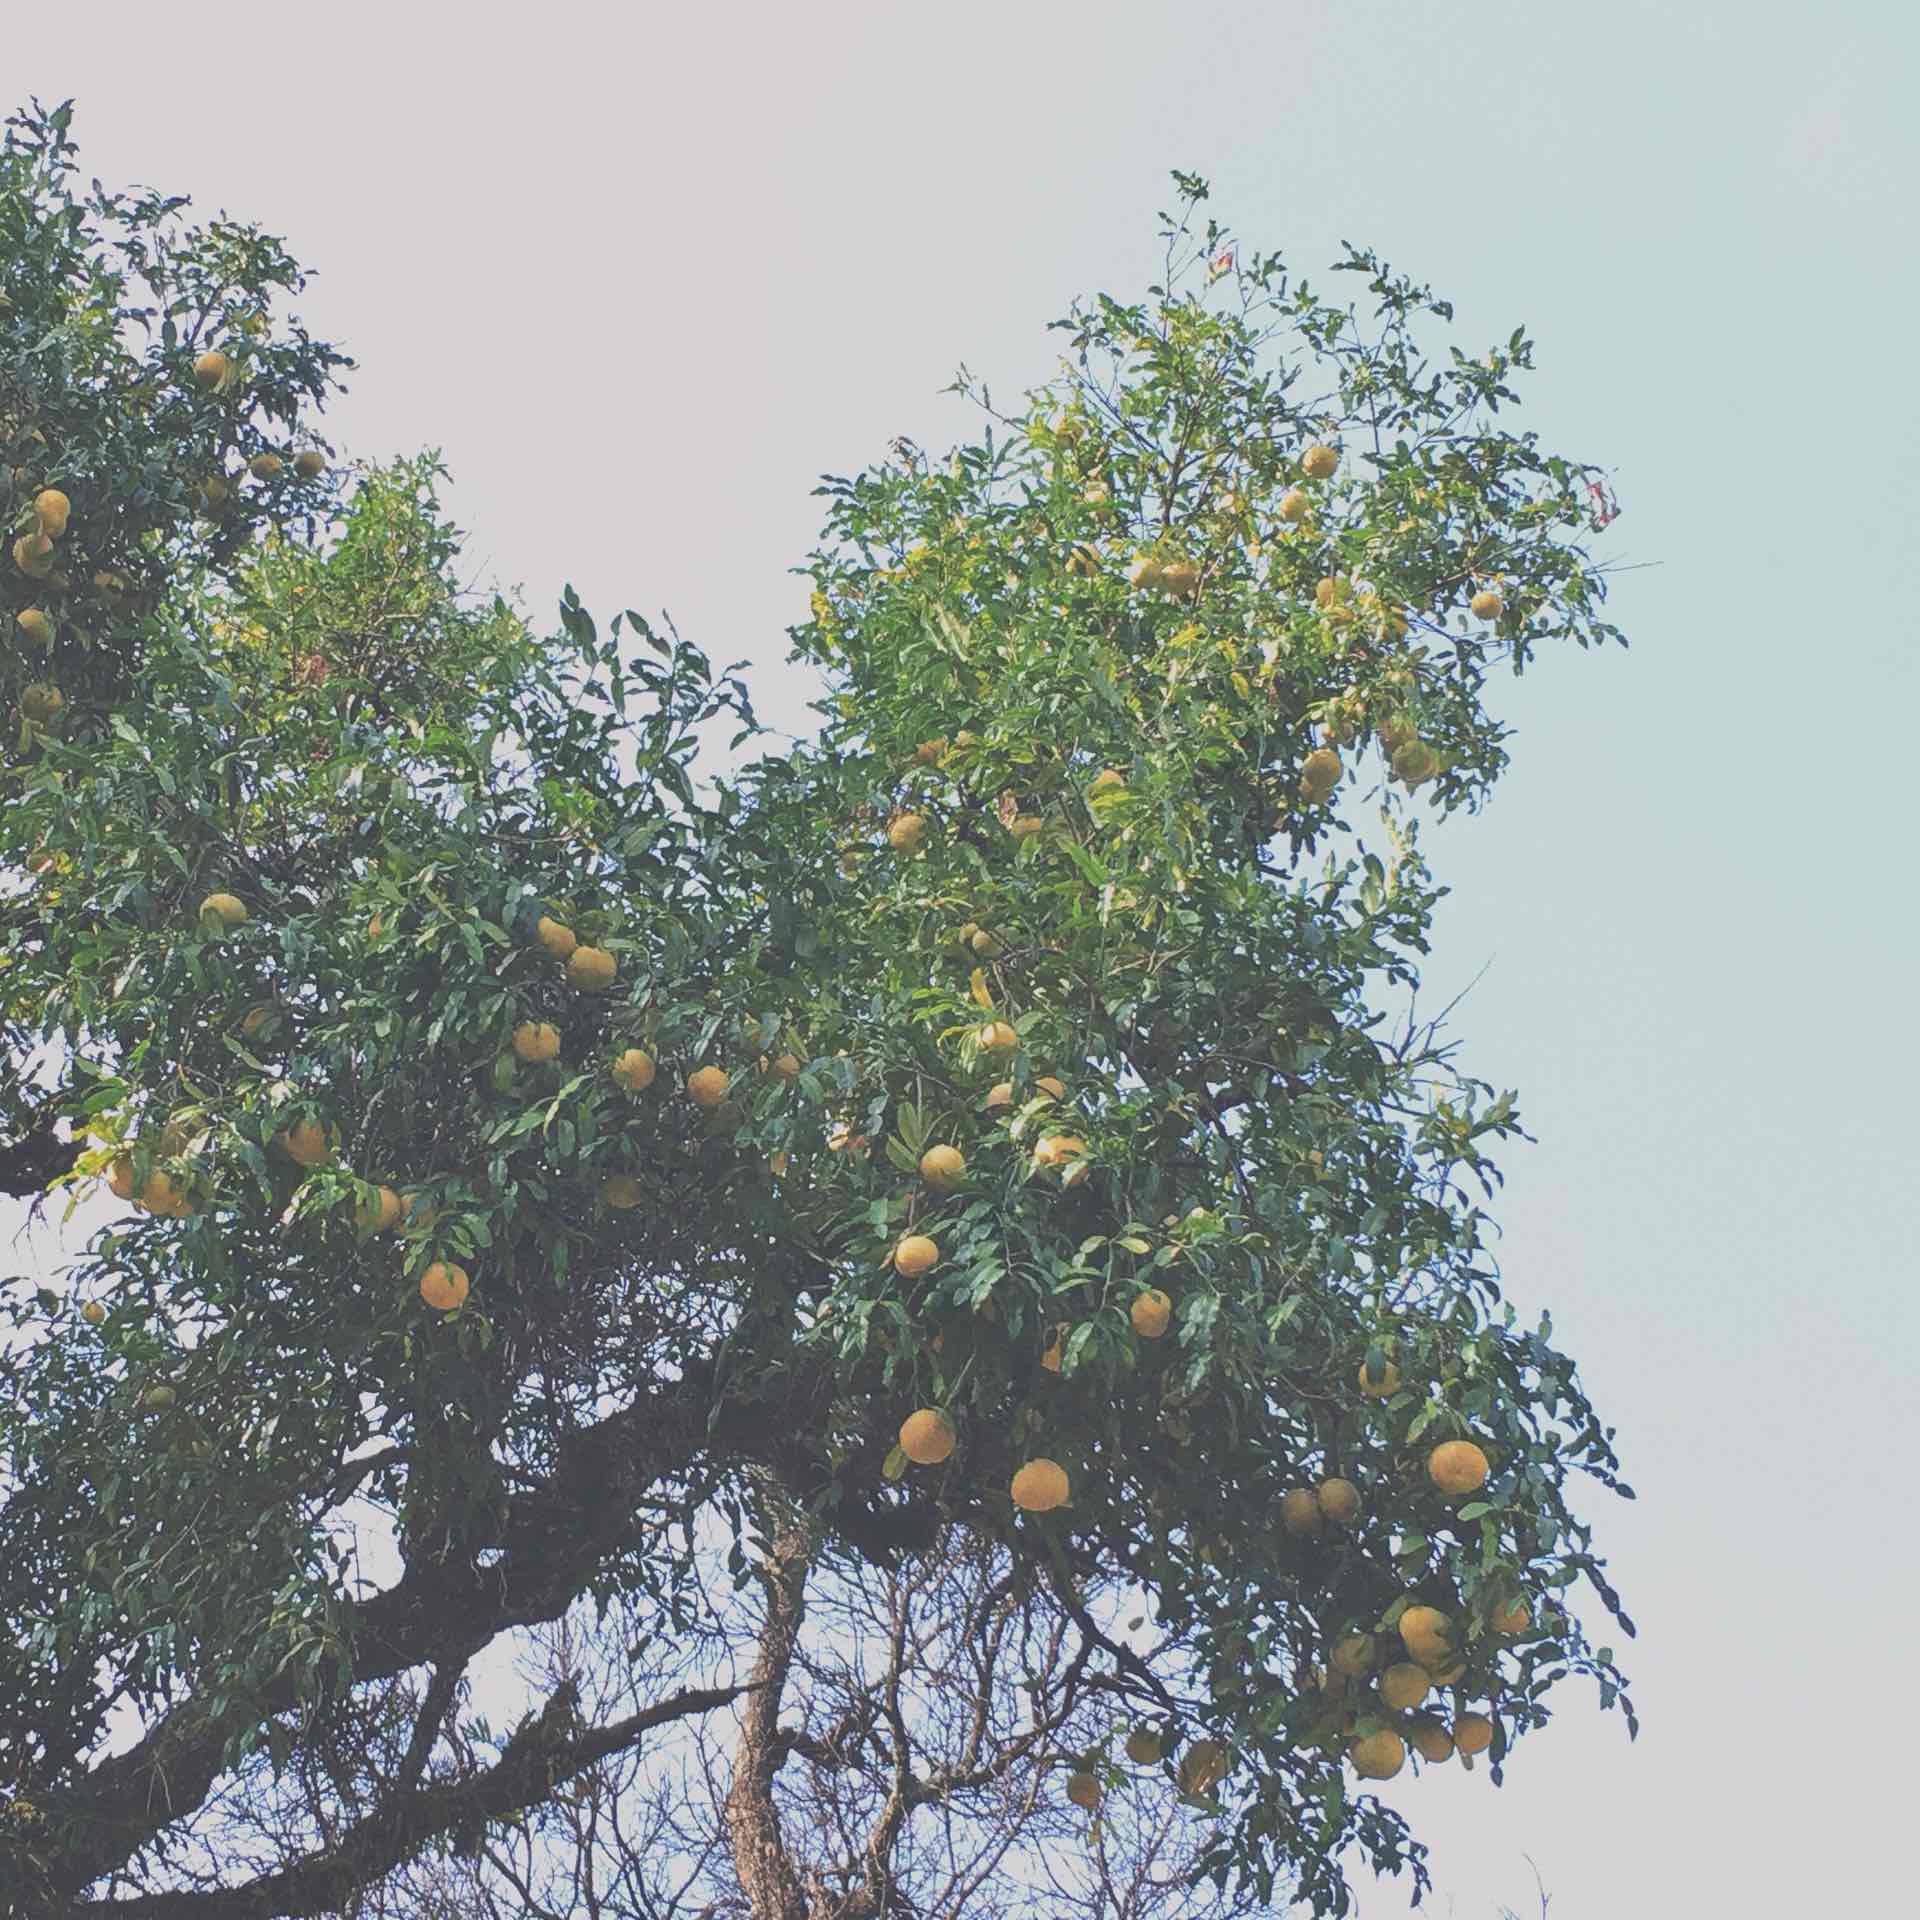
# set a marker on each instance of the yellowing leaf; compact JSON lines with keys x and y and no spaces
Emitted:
{"x":982,"y":998}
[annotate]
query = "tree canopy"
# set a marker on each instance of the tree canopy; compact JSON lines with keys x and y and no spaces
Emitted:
{"x":559,"y":1123}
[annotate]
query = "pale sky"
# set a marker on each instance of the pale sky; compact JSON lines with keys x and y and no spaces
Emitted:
{"x":644,"y":273}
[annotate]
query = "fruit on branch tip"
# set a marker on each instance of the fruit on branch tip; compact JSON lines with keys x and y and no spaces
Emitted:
{"x":634,"y":1070}
{"x":559,"y":940}
{"x":50,"y":509}
{"x":1319,"y":462}
{"x":1150,"y":1314}
{"x":1427,"y":1634}
{"x":1083,"y":1790}
{"x":1405,"y":1685}
{"x":265,"y":466}
{"x":1385,"y":1387}
{"x":1487,"y":605}
{"x":1430,"y":1738}
{"x":1039,"y":1486}
{"x":1353,"y":1655}
{"x":535,"y":1041}
{"x":444,"y":1286}
{"x":306,"y":1143}
{"x":1378,"y":1756}
{"x":1056,"y":1149}
{"x":996,"y":1036}
{"x":1457,"y":1467}
{"x":41,"y":703}
{"x":310,"y":465}
{"x":926,"y":1437}
{"x":1295,"y":505}
{"x":379,"y":1213}
{"x":1515,"y":1617}
{"x":915,"y":1254}
{"x":707,"y":1086}
{"x":942,"y":1167}
{"x":1338,"y":1501}
{"x":1144,"y":1747}
{"x":908,"y":832}
{"x":1472,"y":1733}
{"x":591,"y":969}
{"x":34,"y":625}
{"x":210,"y":369}
{"x":1299,"y":1512}
{"x":94,"y":1314}
{"x":223,"y":910}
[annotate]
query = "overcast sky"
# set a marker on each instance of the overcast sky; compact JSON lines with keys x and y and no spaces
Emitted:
{"x":644,"y":272}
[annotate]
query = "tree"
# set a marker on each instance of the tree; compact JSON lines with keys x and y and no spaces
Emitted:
{"x":533,"y":1135}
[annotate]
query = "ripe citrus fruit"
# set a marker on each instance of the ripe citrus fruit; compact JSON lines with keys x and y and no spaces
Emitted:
{"x":223,"y":909}
{"x":310,"y":465}
{"x":1378,"y":1756}
{"x":1056,"y":1149}
{"x":1202,"y":1767}
{"x":1404,"y":1685}
{"x":941,"y":1168}
{"x":1318,"y":462}
{"x":1150,"y":1314}
{"x":1338,"y":1500}
{"x":1047,"y":1084}
{"x":1143,"y":571}
{"x":1385,"y":1387}
{"x":914,"y":1255}
{"x":41,"y":703}
{"x":1040,"y":1486}
{"x":1319,"y":773}
{"x":265,"y":466}
{"x":1000,"y":1094}
{"x":558,"y":940}
{"x":156,"y":1399}
{"x":120,"y":1177}
{"x":634,"y":1070}
{"x":1084,"y":561}
{"x":305,"y":1142}
{"x":1299,"y":1511}
{"x":1431,"y":1740}
{"x":784,"y":1066}
{"x":908,"y":833}
{"x":985,"y":945}
{"x":1180,"y":578}
{"x":1353,"y":1656}
{"x":1512,"y":1618}
{"x":591,"y":969}
{"x":1143,"y":1747}
{"x":1457,"y":1467}
{"x":1427,"y":1634}
{"x":50,"y":509}
{"x":620,"y":1190}
{"x":379,"y":1213}
{"x":1295,"y":505}
{"x":1083,"y":1790}
{"x":536,"y":1040}
{"x":707,"y":1086}
{"x":34,"y":625}
{"x":928,"y":752}
{"x":1487,"y":605}
{"x":1472,"y":1733}
{"x":444,"y":1285}
{"x":94,"y":1314}
{"x":926,"y":1437}
{"x":210,"y":369}
{"x":1415,"y":762}
{"x":996,"y":1036}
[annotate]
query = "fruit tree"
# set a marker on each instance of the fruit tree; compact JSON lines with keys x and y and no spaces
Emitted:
{"x":541,"y":1157}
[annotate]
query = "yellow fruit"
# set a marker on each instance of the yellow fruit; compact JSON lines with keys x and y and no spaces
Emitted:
{"x":1415,"y":762}
{"x":1319,"y":773}
{"x":444,"y":1285}
{"x":1299,"y":1511}
{"x":1318,"y":462}
{"x":908,"y":833}
{"x":1513,"y":1618}
{"x":1338,"y":1500}
{"x":265,"y":466}
{"x":784,"y":1066}
{"x":1057,"y":1149}
{"x":929,"y":752}
{"x":41,"y":703}
{"x":984,"y":944}
{"x":1431,"y":1740}
{"x":1179,"y":578}
{"x":1143,"y":1747}
{"x":634,"y":1070}
{"x":1150,"y":1314}
{"x":305,"y":1142}
{"x":914,"y":1255}
{"x":536,"y":1040}
{"x":93,"y":1313}
{"x":621,"y":1191}
{"x":707,"y":1086}
{"x":1427,"y":1634}
{"x":1000,"y":1094}
{"x":1378,"y":1756}
{"x":1083,"y":1790}
{"x":213,"y":490}
{"x":1202,"y":1767}
{"x":1143,"y":571}
{"x":224,"y":908}
{"x":34,"y":625}
{"x":1457,"y":1467}
{"x":1039,"y":1487}
{"x":50,"y":509}
{"x":996,"y":1036}
{"x":591,"y":969}
{"x":310,"y":465}
{"x":210,"y":369}
{"x":558,"y":940}
{"x":926,"y":1437}
{"x":1404,"y":1685}
{"x":156,"y":1399}
{"x":1024,"y":826}
{"x":162,"y":1194}
{"x":1084,"y":561}
{"x":1353,"y":1656}
{"x":33,"y":555}
{"x":1046,"y":1083}
{"x":120,"y":1177}
{"x":1295,"y":505}
{"x":1472,"y":1733}
{"x":1382,"y":1389}
{"x":1487,"y":605}
{"x":379,"y":1213}
{"x":941,"y":1168}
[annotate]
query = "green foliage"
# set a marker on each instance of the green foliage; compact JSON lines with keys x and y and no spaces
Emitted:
{"x":299,"y":706}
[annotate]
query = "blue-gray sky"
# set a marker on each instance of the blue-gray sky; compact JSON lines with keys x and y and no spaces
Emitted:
{"x":644,"y":272}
